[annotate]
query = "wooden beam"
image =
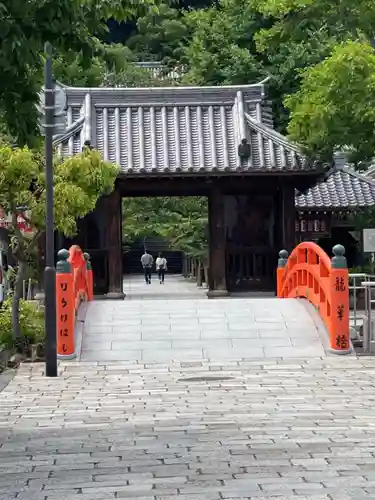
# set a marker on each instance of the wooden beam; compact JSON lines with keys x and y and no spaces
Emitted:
{"x":286,"y":213}
{"x":217,"y":243}
{"x":114,"y":244}
{"x":198,"y":186}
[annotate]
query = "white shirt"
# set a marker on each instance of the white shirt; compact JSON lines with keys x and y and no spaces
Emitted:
{"x":161,"y":262}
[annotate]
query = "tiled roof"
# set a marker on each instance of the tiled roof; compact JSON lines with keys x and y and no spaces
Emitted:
{"x":343,"y":189}
{"x":272,"y":150}
{"x":180,"y":129}
{"x":370,"y":172}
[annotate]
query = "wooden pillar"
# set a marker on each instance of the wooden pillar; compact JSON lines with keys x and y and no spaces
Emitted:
{"x":287,"y":218}
{"x":114,"y":245}
{"x":217,"y":244}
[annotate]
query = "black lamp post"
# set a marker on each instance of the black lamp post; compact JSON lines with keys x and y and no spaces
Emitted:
{"x":50,"y":271}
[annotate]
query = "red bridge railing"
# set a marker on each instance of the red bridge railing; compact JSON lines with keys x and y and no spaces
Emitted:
{"x":308,"y":272}
{"x":74,"y":285}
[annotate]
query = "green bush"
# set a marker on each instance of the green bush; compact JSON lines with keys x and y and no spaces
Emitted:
{"x":31,"y":319}
{"x":363,"y":269}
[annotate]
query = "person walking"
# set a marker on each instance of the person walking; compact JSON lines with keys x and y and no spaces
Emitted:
{"x":161,"y":267}
{"x":147,"y":261}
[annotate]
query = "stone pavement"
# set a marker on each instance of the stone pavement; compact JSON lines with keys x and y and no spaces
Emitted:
{"x":175,"y":287}
{"x":181,"y":329}
{"x":265,"y":430}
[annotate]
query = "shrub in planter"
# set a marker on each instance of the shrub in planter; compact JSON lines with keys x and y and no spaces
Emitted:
{"x":31,"y":321}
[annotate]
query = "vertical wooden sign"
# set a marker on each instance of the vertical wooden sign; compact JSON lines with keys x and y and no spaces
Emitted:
{"x":339,"y":331}
{"x":65,"y":308}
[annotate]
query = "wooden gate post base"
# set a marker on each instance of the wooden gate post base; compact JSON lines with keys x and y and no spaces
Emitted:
{"x":216,"y":294}
{"x":115,"y":295}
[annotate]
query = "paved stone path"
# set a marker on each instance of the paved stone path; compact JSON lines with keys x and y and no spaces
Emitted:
{"x":182,"y":329}
{"x":144,"y":416}
{"x":175,"y":287}
{"x":268,"y":430}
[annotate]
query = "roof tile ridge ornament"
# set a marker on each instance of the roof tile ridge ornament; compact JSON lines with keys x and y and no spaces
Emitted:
{"x":370,"y":171}
{"x":62,"y":85}
{"x":340,"y":159}
{"x":240,"y":115}
{"x":265,"y":80}
{"x":87,"y":114}
{"x":71,"y":130}
{"x":272,"y":134}
{"x":262,"y":83}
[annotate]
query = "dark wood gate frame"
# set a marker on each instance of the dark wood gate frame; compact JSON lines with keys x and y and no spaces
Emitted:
{"x":280,"y":186}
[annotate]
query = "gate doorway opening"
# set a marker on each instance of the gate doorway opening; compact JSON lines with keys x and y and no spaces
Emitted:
{"x":176,"y":227}
{"x":236,"y":225}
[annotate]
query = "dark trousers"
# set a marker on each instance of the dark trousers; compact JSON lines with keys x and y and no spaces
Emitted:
{"x":147,"y":271}
{"x":161,"y":273}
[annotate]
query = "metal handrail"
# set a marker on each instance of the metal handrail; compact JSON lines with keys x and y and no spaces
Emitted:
{"x":360,"y":320}
{"x":355,"y":287}
{"x":368,"y":337}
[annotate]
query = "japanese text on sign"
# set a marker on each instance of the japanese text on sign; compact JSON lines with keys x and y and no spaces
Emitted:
{"x":340,"y":312}
{"x":342,"y":342}
{"x":340,"y":285}
{"x":65,"y":316}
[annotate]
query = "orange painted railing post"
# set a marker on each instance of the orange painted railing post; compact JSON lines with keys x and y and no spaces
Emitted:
{"x":90,"y":277}
{"x":65,"y":307}
{"x":309,"y":273}
{"x":339,"y":287}
{"x":281,"y":271}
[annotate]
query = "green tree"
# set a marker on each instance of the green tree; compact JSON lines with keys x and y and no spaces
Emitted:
{"x":112,"y":66}
{"x":81,"y":179}
{"x":187,"y":230}
{"x":71,"y":69}
{"x":301,"y":33}
{"x":183,"y":222}
{"x":335,"y":106}
{"x":160,"y":36}
{"x":343,"y":18}
{"x":236,"y":44}
{"x":221,"y":48}
{"x":25,"y":27}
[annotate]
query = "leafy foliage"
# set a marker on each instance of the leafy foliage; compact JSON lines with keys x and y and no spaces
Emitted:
{"x":113,"y":66}
{"x":80,"y":179}
{"x":78,"y":183}
{"x":344,"y":17}
{"x":31,"y":323}
{"x":335,"y":107}
{"x":69,"y":25}
{"x":182,"y":221}
{"x":363,"y":219}
{"x":242,"y":43}
{"x":221,"y":49}
{"x":301,"y":34}
{"x":160,"y":36}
